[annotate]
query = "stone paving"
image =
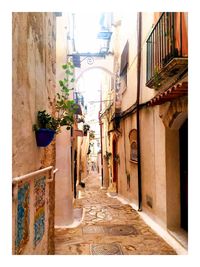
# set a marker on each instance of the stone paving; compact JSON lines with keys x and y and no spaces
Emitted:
{"x":108,"y":228}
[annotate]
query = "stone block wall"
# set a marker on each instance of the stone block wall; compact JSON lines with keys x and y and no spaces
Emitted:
{"x":33,"y":69}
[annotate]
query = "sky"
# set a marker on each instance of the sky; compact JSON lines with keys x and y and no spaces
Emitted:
{"x":86,"y":29}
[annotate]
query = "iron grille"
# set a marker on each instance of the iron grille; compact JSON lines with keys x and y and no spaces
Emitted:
{"x":161,"y":44}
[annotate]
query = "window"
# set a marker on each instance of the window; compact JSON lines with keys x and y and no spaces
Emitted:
{"x":134,"y":154}
{"x":133,"y":145}
{"x":123,"y":67}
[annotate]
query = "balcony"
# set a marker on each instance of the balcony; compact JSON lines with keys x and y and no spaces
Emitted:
{"x":79,"y":100}
{"x":167,"y":52}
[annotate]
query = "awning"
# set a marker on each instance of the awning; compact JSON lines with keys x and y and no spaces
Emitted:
{"x":178,"y":90}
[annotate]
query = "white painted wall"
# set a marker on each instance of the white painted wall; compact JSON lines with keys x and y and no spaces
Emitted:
{"x":63,"y":183}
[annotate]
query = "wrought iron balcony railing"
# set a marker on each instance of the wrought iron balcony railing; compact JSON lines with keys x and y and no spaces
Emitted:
{"x":164,"y":44}
{"x":78,"y":98}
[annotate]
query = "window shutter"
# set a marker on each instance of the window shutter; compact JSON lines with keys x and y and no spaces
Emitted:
{"x":124,"y":59}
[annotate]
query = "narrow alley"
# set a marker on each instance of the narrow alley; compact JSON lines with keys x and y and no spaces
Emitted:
{"x":100,"y":133}
{"x":108,"y":227}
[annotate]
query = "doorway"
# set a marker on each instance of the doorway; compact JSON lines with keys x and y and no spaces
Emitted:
{"x":183,"y":137}
{"x":115,"y":164}
{"x":75,"y":172}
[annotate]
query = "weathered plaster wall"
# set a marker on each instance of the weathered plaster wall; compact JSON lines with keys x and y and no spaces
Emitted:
{"x":172,"y":178}
{"x":63,"y":190}
{"x":63,"y":181}
{"x":159,"y":144}
{"x":33,"y":90}
{"x":127,"y":170}
{"x":84,"y":151}
{"x":153,"y":164}
{"x":124,"y":33}
{"x":33,"y":78}
{"x":148,"y":21}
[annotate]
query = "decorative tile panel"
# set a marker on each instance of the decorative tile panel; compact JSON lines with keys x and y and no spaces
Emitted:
{"x":23,"y":217}
{"x":39,"y":216}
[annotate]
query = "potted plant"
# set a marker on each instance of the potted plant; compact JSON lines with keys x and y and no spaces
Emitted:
{"x":79,"y":120}
{"x":92,"y":134}
{"x":48,"y":125}
{"x":45,"y":128}
{"x":86,"y":128}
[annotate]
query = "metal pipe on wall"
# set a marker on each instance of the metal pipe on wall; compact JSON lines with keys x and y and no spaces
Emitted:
{"x":139,"y":34}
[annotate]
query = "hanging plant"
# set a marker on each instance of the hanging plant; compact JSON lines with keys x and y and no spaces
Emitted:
{"x":47,"y":125}
{"x":45,"y":129}
{"x":157,"y":79}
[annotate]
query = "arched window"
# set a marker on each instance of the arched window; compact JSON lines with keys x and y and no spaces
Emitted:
{"x":133,"y":145}
{"x":134,"y":153}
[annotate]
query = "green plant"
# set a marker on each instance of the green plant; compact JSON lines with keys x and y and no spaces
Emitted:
{"x":156,"y":78}
{"x":46,"y":121}
{"x":107,"y":155}
{"x":65,"y":107}
{"x":92,"y":134}
{"x":86,"y":128}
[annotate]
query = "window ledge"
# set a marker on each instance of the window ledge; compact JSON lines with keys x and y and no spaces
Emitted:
{"x":133,"y":161}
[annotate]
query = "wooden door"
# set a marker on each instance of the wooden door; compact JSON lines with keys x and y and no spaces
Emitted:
{"x":115,"y":164}
{"x":183,"y":135}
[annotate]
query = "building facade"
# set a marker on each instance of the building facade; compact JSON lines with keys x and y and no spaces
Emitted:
{"x":147,"y":124}
{"x":34,"y":72}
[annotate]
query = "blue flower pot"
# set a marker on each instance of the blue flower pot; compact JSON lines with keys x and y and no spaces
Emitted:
{"x":44,"y":137}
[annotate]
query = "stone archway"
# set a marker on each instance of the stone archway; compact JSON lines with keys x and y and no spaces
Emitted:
{"x":93,"y":67}
{"x":174,"y":115}
{"x":105,"y":64}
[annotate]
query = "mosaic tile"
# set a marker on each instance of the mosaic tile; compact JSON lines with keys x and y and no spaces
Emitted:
{"x":23,"y":217}
{"x":39,"y":203}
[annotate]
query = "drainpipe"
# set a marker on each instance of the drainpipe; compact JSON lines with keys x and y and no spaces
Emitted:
{"x":139,"y":29}
{"x":100,"y":123}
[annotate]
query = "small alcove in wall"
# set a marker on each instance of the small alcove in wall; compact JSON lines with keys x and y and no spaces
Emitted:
{"x":133,"y":146}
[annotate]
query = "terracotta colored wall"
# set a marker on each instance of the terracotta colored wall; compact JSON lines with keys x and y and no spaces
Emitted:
{"x":184,"y":32}
{"x":128,"y":188}
{"x":153,"y":164}
{"x":33,"y":90}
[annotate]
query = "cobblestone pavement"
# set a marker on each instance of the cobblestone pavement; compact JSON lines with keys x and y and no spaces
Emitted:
{"x":108,"y":228}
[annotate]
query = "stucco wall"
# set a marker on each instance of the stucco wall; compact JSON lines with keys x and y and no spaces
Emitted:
{"x":63,"y":181}
{"x":124,"y":33}
{"x":153,"y":159}
{"x":148,"y":21}
{"x":33,"y":89}
{"x":173,"y":178}
{"x":128,"y":188}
